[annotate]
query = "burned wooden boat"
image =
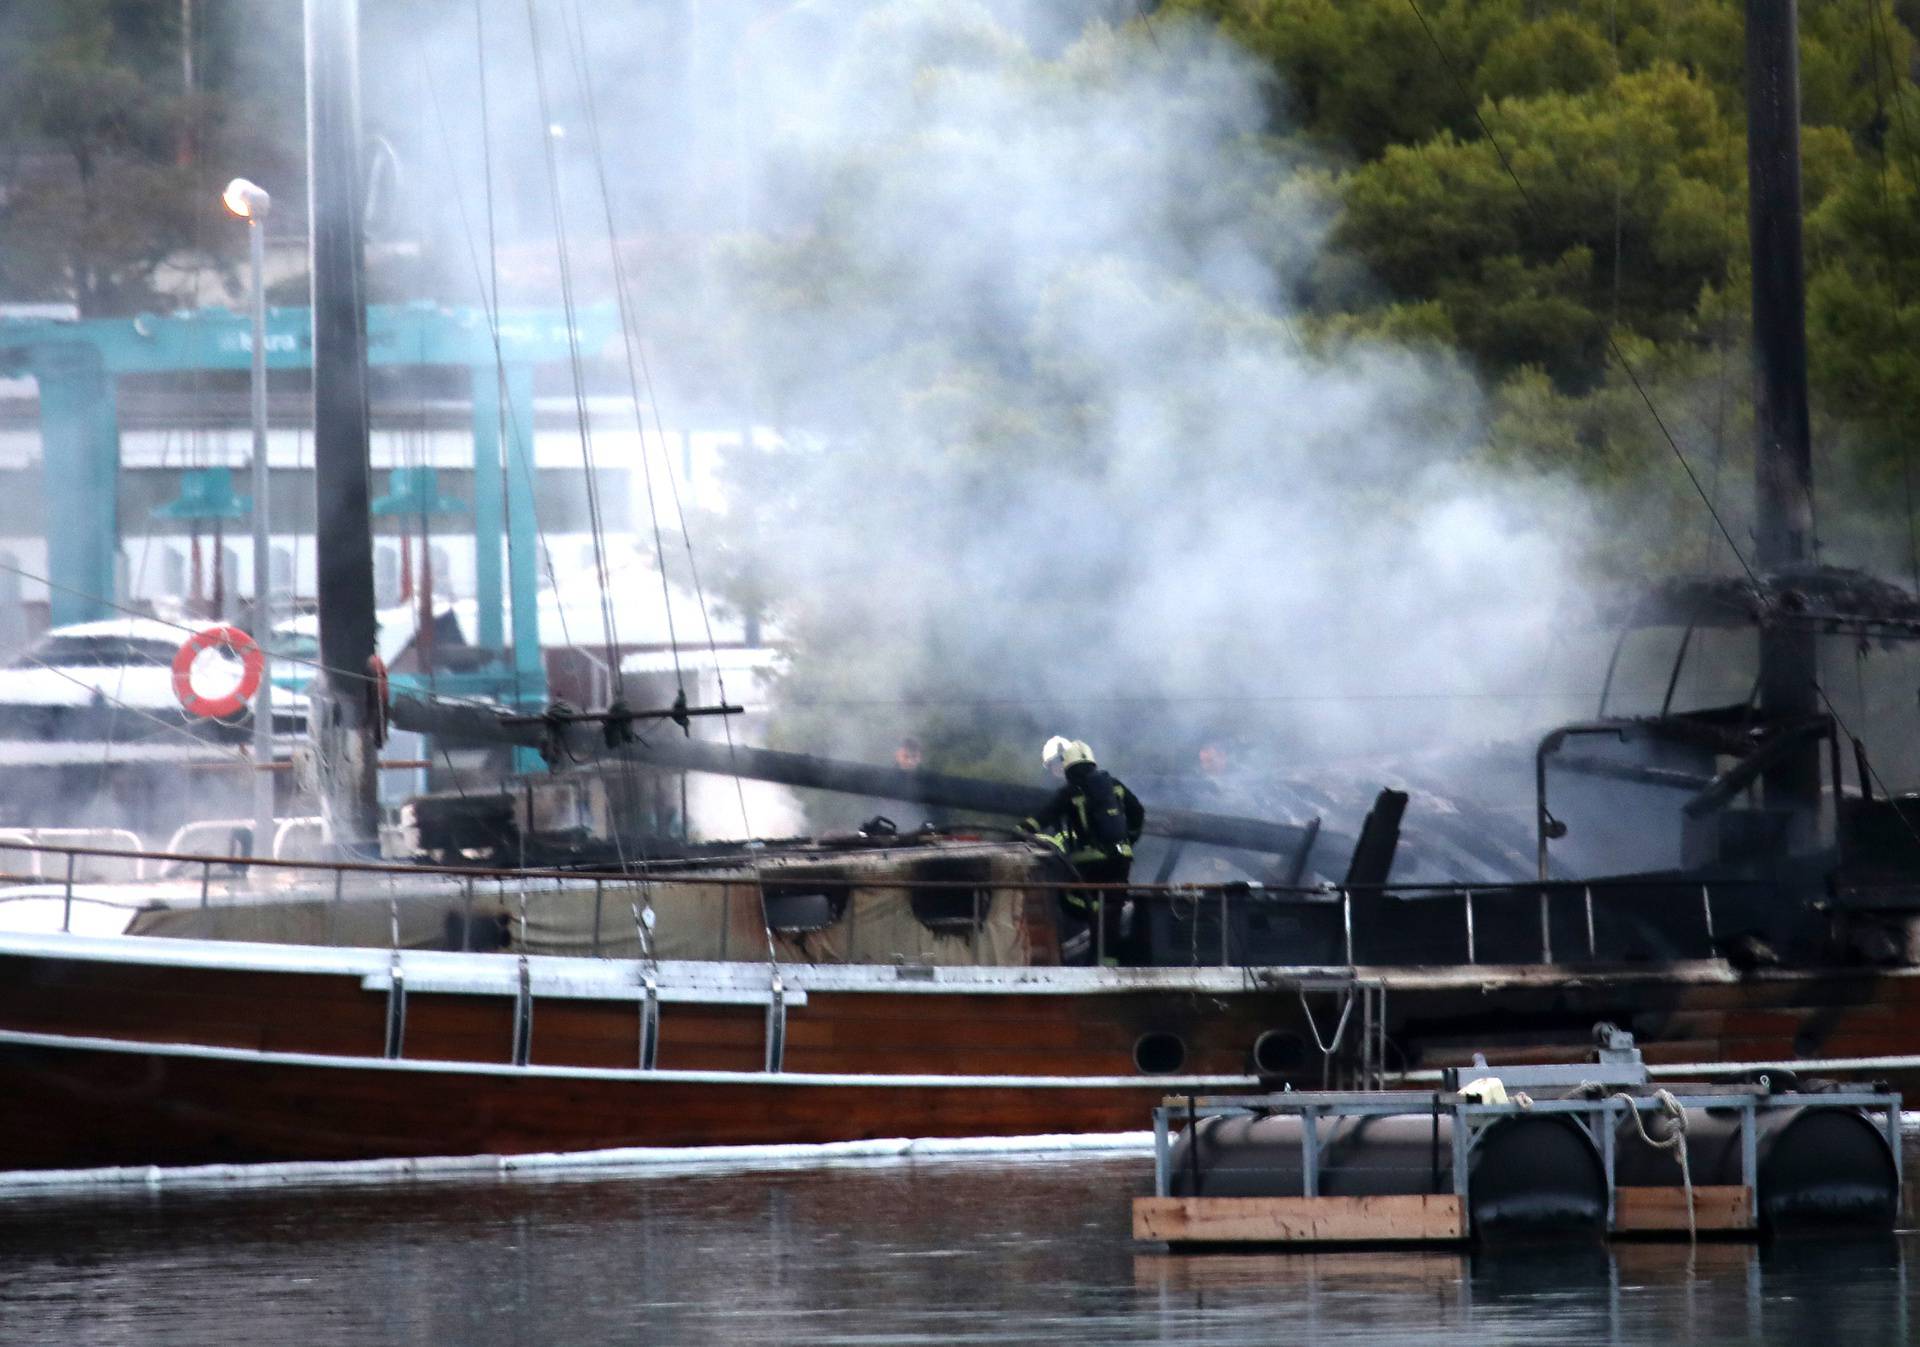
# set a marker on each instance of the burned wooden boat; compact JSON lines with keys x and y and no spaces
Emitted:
{"x":912,"y":985}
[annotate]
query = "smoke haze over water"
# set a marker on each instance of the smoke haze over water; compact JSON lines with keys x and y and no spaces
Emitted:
{"x":1056,"y":440}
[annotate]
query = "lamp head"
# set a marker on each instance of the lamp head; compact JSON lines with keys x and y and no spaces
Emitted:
{"x":246,"y":200}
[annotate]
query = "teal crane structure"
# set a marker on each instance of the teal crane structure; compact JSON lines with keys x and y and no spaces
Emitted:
{"x":76,"y":363}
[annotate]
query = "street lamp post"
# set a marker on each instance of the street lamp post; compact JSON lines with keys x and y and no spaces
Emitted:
{"x":251,"y":204}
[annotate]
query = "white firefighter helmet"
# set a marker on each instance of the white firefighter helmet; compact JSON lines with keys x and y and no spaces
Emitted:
{"x":1062,"y":753}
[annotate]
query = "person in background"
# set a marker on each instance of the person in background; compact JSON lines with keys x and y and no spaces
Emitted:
{"x":910,"y":755}
{"x":1095,"y":821}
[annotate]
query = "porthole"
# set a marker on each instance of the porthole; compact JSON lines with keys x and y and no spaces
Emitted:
{"x":1278,"y":1051}
{"x":1159,"y":1054}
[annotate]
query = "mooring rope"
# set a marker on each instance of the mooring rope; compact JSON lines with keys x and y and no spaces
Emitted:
{"x":1675,"y":1141}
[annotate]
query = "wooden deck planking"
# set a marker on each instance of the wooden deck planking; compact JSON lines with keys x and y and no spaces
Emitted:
{"x":1419,"y":1218}
{"x":1646,"y":1211}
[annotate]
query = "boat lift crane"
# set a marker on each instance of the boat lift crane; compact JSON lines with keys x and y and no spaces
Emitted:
{"x":76,"y":363}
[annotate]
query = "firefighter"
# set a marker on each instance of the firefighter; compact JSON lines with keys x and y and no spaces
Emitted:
{"x":1094,"y":821}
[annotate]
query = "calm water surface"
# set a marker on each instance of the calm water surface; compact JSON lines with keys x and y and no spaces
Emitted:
{"x":933,"y":1251}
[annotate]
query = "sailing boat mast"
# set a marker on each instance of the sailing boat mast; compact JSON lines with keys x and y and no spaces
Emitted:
{"x":1783,"y":458}
{"x":343,"y":718}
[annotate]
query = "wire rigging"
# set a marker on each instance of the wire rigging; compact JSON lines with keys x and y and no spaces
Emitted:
{"x":693,"y":567}
{"x":572,"y":31}
{"x":551,"y":156}
{"x":491,"y":289}
{"x":576,"y":42}
{"x":518,"y":452}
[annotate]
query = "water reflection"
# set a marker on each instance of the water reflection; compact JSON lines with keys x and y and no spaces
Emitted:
{"x":882,"y":1252}
{"x":1852,"y":1291}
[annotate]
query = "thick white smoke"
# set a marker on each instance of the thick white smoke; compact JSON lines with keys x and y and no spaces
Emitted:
{"x":1019,"y":291}
{"x":1070,"y":449}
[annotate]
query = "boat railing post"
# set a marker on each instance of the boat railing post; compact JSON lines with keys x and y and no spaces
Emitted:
{"x":1100,"y":929}
{"x":396,"y":1006}
{"x":1706,"y":913}
{"x":1433,"y":1148}
{"x":523,"y":1016}
{"x":333,"y":909}
{"x":1161,"y":1178}
{"x":776,"y":1026}
{"x":66,"y":915}
{"x":1226,"y":930}
{"x":1461,"y":1142}
{"x":599,"y":895}
{"x":1607,"y":1129}
{"x":1592,"y":950}
{"x":650,"y":992}
{"x":1193,"y":1146}
{"x":466,"y":915}
{"x":1380,"y":1039}
{"x":1346,"y":925}
{"x":1899,"y":1170}
{"x":1750,"y":1155}
{"x":1546,"y":927}
{"x":1366,"y":1036}
{"x":1467,"y":905}
{"x":206,"y":879}
{"x":1309,"y":1153}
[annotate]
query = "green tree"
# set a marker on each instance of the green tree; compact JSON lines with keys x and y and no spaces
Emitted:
{"x":96,"y":186}
{"x":1622,"y":203}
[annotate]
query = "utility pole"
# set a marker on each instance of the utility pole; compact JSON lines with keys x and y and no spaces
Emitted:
{"x":344,"y":718}
{"x":1783,"y":454}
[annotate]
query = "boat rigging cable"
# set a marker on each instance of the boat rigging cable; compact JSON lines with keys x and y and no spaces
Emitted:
{"x":518,"y":453}
{"x":576,"y":372}
{"x":551,"y":156}
{"x":490,"y":289}
{"x":576,"y":45}
{"x":573,"y":34}
{"x":617,"y":732}
{"x":637,"y":360}
{"x":1613,"y":346}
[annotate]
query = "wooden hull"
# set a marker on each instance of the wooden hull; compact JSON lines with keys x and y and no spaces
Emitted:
{"x":147,"y":1051}
{"x":82,"y":1103}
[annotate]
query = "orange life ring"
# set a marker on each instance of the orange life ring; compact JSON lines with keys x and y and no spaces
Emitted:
{"x":252,"y":662}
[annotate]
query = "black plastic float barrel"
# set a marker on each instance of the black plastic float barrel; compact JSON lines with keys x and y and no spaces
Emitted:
{"x":1531,"y":1176}
{"x":1819,"y":1167}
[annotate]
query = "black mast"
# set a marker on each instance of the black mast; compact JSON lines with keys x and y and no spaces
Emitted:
{"x":1783,"y":456}
{"x":343,"y":722}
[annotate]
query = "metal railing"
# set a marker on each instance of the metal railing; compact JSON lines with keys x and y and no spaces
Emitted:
{"x":1191,"y":907}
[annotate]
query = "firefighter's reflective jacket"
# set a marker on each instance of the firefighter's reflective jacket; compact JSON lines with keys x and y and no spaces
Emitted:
{"x":1091,"y":818}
